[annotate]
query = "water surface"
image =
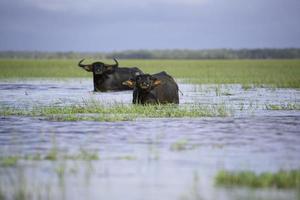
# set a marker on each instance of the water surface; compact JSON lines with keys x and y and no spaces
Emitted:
{"x":137,"y":158}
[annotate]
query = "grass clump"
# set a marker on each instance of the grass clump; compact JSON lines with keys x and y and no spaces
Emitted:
{"x":52,"y":155}
{"x":9,"y":161}
{"x":281,"y":179}
{"x":83,"y":155}
{"x":289,"y":106}
{"x":126,"y":157}
{"x":179,"y":145}
{"x":182,"y":145}
{"x":95,"y":111}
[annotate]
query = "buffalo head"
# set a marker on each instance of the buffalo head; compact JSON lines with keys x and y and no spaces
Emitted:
{"x":99,"y":68}
{"x":144,"y":82}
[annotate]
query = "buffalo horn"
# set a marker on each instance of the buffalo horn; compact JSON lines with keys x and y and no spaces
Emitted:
{"x":115,"y":65}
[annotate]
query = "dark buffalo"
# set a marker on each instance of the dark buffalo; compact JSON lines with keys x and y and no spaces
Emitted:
{"x":158,"y":88}
{"x":110,"y":77}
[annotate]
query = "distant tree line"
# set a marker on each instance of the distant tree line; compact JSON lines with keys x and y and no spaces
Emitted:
{"x":288,"y":53}
{"x":49,"y":55}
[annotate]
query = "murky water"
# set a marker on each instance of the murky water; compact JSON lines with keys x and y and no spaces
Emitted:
{"x":138,"y":159}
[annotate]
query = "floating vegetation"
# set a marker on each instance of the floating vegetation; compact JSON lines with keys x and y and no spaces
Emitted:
{"x":95,"y":111}
{"x":218,"y":90}
{"x":83,"y":155}
{"x":61,"y":171}
{"x":281,"y":179}
{"x":8,"y":161}
{"x":180,"y":145}
{"x":247,"y":86}
{"x":126,"y":157}
{"x":52,"y":155}
{"x":288,"y":106}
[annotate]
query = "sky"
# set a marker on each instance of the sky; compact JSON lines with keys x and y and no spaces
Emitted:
{"x":116,"y":25}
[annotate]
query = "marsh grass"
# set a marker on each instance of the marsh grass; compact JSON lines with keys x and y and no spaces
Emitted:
{"x":52,"y":155}
{"x":281,"y":179}
{"x":95,"y":111}
{"x":60,"y":171}
{"x":83,"y":155}
{"x":125,"y":157}
{"x":193,"y":191}
{"x":17,"y":183}
{"x":288,"y":106}
{"x":182,"y":145}
{"x":278,"y":73}
{"x":179,"y":145}
{"x":8,"y":161}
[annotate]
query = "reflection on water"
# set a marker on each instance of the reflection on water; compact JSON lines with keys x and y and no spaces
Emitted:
{"x":136,"y":158}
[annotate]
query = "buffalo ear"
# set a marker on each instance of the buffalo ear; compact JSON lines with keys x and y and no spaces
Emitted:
{"x":156,"y":82}
{"x":88,"y":68}
{"x":130,"y":83}
{"x":110,"y":69}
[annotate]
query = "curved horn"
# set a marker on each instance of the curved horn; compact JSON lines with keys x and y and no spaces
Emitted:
{"x":117,"y":64}
{"x":81,"y":65}
{"x":114,"y":65}
{"x":88,"y":68}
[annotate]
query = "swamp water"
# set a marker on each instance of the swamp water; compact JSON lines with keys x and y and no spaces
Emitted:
{"x":170,"y":158}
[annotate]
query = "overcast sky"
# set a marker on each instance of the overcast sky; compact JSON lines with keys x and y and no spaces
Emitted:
{"x":100,"y":25}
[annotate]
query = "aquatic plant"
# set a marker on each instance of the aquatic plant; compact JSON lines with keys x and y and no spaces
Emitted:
{"x":8,"y":161}
{"x":52,"y":155}
{"x":193,"y":192}
{"x":95,"y":111}
{"x":180,"y":145}
{"x":83,"y":155}
{"x":218,"y":90}
{"x":60,"y":171}
{"x":17,"y":184}
{"x":280,"y":179}
{"x":36,"y":156}
{"x":288,"y":106}
{"x":247,"y":86}
{"x":126,"y":157}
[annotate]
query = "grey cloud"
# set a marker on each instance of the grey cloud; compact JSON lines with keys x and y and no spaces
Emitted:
{"x":94,"y":26}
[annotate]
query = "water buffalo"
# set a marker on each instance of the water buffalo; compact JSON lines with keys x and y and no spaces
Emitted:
{"x":158,"y":88}
{"x":110,"y":77}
